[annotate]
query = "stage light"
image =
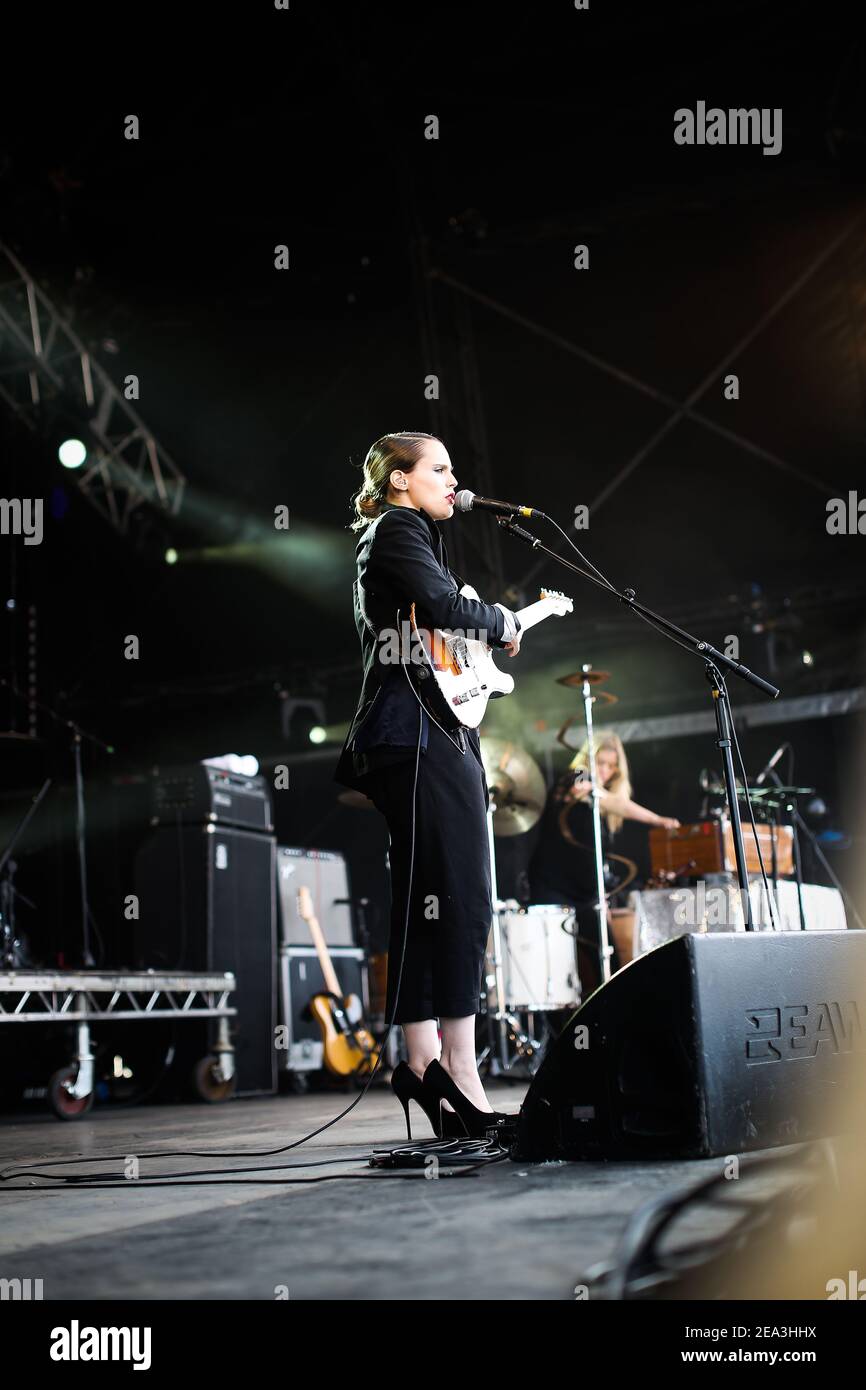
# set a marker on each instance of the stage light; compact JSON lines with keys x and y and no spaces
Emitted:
{"x":808,"y":659}
{"x":317,"y":734}
{"x":72,"y":453}
{"x":300,"y":715}
{"x":171,"y":556}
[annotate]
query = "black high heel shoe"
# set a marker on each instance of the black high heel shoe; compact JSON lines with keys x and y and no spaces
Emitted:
{"x":476,"y":1122}
{"x":407,"y":1086}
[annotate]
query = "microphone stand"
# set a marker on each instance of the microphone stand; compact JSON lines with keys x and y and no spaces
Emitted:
{"x":77,"y":735}
{"x":9,"y":944}
{"x":798,"y":824}
{"x":713,"y":660}
{"x":790,"y":805}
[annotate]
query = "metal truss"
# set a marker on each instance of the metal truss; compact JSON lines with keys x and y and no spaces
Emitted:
{"x":74,"y":996}
{"x":799,"y":707}
{"x":43,"y":360}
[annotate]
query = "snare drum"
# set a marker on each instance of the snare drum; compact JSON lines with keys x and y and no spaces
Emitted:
{"x":538,"y":960}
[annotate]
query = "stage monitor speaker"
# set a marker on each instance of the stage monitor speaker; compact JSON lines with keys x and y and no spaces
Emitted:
{"x":712,"y":1044}
{"x":207,"y":898}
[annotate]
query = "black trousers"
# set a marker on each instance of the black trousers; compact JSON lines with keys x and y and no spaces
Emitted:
{"x":450,"y":905}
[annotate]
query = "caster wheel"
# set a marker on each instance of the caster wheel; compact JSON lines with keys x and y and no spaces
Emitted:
{"x":206,"y":1085}
{"x":64,"y":1105}
{"x":299,"y":1083}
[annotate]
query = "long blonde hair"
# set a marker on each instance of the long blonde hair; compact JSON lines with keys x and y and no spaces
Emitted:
{"x":400,"y":450}
{"x":620,"y":782}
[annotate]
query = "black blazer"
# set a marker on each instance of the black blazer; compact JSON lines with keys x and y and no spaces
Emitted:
{"x":401,"y":559}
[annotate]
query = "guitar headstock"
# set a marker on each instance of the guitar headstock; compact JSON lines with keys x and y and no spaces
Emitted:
{"x":560,"y":603}
{"x":305,"y":903}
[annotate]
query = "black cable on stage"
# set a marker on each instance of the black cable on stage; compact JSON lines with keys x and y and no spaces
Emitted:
{"x":470,"y":1155}
{"x":639,"y":1269}
{"x":139,"y":1183}
{"x":73,"y":1178}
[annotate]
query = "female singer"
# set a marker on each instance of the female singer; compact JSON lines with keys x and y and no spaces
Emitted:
{"x":562,"y":867}
{"x":426,"y":779}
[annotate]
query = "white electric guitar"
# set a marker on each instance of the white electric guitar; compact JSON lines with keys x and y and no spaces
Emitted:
{"x":457,"y":673}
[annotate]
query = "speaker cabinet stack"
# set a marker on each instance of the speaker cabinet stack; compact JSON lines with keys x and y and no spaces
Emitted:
{"x":207,"y":901}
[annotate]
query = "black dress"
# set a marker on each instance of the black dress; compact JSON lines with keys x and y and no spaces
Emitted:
{"x":401,"y":558}
{"x":450,"y":908}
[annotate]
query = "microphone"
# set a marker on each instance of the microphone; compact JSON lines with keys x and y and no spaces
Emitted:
{"x":467,"y":501}
{"x":763,"y":775}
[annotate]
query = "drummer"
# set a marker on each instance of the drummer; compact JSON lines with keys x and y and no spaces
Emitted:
{"x":562,"y":867}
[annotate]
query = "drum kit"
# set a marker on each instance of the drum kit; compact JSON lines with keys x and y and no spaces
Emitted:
{"x":532,"y":972}
{"x":530,"y":975}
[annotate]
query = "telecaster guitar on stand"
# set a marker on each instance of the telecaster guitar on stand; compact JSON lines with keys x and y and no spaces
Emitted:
{"x":349,"y":1048}
{"x":458,"y":673}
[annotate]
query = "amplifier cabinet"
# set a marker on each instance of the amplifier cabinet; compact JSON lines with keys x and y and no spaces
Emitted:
{"x":300,"y":978}
{"x":198,"y":793}
{"x":324,"y":873}
{"x":207,"y":901}
{"x":707,"y":847}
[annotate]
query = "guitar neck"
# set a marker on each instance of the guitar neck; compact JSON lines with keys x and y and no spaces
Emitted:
{"x":322,"y":952}
{"x":533,"y":613}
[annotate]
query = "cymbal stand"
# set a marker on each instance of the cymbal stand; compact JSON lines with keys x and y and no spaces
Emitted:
{"x":503,"y":1026}
{"x":605,"y":949}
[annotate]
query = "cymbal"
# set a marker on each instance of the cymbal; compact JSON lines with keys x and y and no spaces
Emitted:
{"x":516,"y":784}
{"x":578,"y":677}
